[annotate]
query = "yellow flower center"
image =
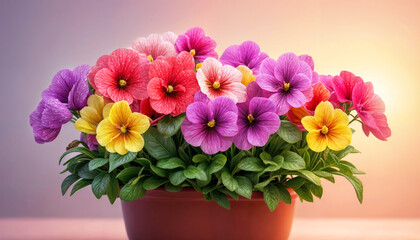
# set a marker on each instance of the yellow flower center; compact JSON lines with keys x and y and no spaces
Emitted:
{"x":170,"y":89}
{"x":198,"y":66}
{"x":286,"y":86}
{"x":247,"y":75}
{"x":150,"y":58}
{"x":211,"y":123}
{"x":216,"y":85}
{"x":324,"y":130}
{"x":192,"y":52}
{"x":123,"y":129}
{"x":250,"y":118}
{"x":122,"y":83}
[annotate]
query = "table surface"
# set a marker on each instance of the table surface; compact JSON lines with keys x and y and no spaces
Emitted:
{"x":314,"y":229}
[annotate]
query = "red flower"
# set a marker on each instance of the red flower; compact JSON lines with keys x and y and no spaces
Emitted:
{"x":173,"y":84}
{"x":122,"y":75}
{"x":321,"y":94}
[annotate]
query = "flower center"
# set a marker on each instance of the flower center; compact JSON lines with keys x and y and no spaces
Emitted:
{"x":216,"y":85}
{"x":324,"y":130}
{"x":211,"y":123}
{"x":150,"y":58}
{"x":286,"y":87}
{"x":170,"y":89}
{"x":192,"y":52}
{"x":123,"y":129}
{"x":198,"y":66}
{"x":250,"y":118}
{"x":122,"y":83}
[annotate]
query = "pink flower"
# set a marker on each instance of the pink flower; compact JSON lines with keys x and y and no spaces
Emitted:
{"x":155,"y":46}
{"x":122,"y":75}
{"x":197,"y":43}
{"x":343,"y":85}
{"x":308,"y":59}
{"x":370,"y":108}
{"x":216,"y":80}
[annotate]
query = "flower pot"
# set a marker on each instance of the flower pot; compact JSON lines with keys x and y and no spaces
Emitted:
{"x":187,"y":215}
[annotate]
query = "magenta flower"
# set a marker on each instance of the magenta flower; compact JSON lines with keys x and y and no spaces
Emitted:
{"x":257,"y":119}
{"x":308,"y":59}
{"x":211,"y":124}
{"x":247,"y":54}
{"x":47,"y":119}
{"x":327,"y":81}
{"x":287,"y":82}
{"x":343,"y":85}
{"x":370,"y":108}
{"x":197,"y":43}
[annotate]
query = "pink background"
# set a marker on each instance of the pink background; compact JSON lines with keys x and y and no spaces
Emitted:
{"x":378,"y":40}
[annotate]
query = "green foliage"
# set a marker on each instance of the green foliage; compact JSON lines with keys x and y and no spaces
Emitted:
{"x":167,"y":161}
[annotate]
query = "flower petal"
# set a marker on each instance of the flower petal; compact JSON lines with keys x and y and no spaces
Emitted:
{"x":310,"y":123}
{"x":134,"y":142}
{"x":106,"y":132}
{"x":119,"y":114}
{"x":317,"y":142}
{"x":138,"y":123}
{"x":339,"y":137}
{"x":324,"y":113}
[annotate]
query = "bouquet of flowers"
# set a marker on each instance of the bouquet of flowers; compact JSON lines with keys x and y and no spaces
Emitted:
{"x":168,"y":112}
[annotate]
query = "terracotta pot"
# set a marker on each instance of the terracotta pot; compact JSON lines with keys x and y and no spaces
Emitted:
{"x":186,"y":215}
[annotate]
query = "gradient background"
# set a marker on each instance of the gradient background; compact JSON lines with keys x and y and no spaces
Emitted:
{"x":378,"y":40}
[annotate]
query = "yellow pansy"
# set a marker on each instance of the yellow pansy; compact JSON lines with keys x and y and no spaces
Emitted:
{"x":247,"y":76}
{"x":91,"y":115}
{"x":328,"y":127}
{"x":121,"y":131}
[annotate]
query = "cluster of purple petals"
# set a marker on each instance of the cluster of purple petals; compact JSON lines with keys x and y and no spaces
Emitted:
{"x":69,"y":89}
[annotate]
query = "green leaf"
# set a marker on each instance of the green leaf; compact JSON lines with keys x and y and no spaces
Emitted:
{"x":346,"y":151}
{"x":357,"y":185}
{"x":221,"y":199}
{"x":198,"y":158}
{"x":68,"y":181}
{"x":217,"y":163}
{"x":289,"y":132}
{"x":325,"y":175}
{"x":251,"y":164}
{"x":304,"y":194}
{"x":271,"y":196}
{"x":192,"y":172}
{"x":292,"y":161}
{"x":154,"y":182}
{"x":316,"y":190}
{"x":171,"y":188}
{"x":79,"y":185}
{"x":85,"y":173}
{"x":278,"y":160}
{"x":229,"y":181}
{"x":128,"y":173}
{"x":345,"y":169}
{"x":352,"y":168}
{"x":183,"y":155}
{"x":158,"y":146}
{"x":171,"y":163}
{"x":113,"y":189}
{"x":168,"y":125}
{"x":234,"y":195}
{"x":146,"y":163}
{"x":100,"y":184}
{"x":176,"y":178}
{"x":295,"y":183}
{"x":78,"y":149}
{"x":116,"y":160}
{"x":267,"y":159}
{"x":284,"y":194}
{"x":204,"y":166}
{"x":263,"y":184}
{"x":97,"y":162}
{"x":236,"y":159}
{"x":244,"y":186}
{"x":253,"y":177}
{"x":132,"y":192}
{"x":307,"y":158}
{"x":310,"y":176}
{"x":102,"y":151}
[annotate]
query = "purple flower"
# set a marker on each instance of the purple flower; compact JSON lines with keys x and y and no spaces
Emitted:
{"x":70,"y":87}
{"x":91,"y":141}
{"x":197,"y":43}
{"x":257,"y":119}
{"x":247,"y":54}
{"x":48,"y":118}
{"x":211,"y":124}
{"x":287,"y":81}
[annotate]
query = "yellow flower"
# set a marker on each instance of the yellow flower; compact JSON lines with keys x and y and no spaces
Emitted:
{"x":91,"y":115}
{"x":328,"y":127}
{"x":247,"y":76}
{"x":121,"y":131}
